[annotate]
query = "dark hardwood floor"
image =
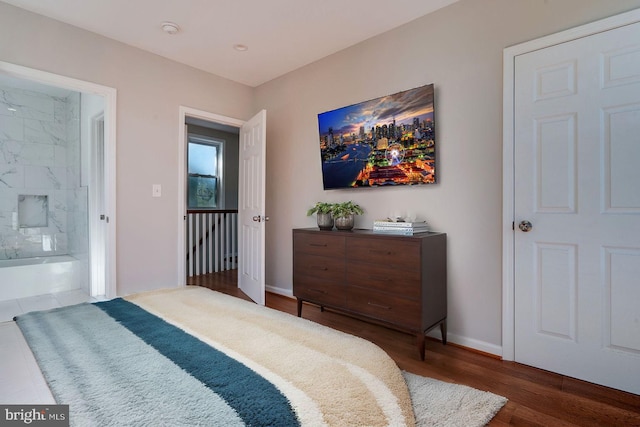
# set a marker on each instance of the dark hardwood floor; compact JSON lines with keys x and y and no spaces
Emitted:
{"x":536,"y":397}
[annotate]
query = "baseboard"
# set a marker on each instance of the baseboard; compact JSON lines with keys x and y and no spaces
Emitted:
{"x":279,"y":291}
{"x":462,"y":341}
{"x":469,"y":343}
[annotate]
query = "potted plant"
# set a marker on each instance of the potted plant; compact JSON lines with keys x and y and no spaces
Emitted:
{"x":323,"y":212}
{"x":343,"y":214}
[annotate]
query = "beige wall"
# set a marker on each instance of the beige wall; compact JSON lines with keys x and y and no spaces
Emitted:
{"x":459,"y":49}
{"x":150,"y":90}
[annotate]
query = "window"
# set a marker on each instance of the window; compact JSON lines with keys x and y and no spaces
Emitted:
{"x":205,"y":184}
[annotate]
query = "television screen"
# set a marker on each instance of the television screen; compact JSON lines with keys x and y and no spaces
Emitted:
{"x":384,"y":141}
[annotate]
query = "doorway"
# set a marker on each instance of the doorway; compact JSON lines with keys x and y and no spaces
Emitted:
{"x":70,"y":177}
{"x":212,"y":197}
{"x":206,"y":237}
{"x":251,"y":217}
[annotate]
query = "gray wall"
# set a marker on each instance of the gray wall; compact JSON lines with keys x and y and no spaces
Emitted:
{"x":459,"y":49}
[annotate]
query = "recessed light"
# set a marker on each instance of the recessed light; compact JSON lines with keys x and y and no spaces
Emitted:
{"x":11,"y":109}
{"x":241,"y":47}
{"x":170,"y":27}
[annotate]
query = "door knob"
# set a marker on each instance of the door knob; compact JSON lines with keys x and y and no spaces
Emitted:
{"x":256,"y":218}
{"x":525,"y":226}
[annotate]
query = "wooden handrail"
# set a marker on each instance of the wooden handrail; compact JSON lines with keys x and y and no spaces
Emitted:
{"x":194,"y":211}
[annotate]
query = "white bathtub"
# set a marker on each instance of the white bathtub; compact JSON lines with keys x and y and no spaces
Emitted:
{"x":20,"y":278}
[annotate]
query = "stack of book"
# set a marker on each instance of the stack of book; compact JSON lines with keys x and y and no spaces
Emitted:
{"x":400,"y":227}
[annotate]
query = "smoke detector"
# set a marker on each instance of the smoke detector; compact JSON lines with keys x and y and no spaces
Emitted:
{"x":170,"y":27}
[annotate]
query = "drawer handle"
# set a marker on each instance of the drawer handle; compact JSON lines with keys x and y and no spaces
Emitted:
{"x":320,"y":291}
{"x":386,"y":307}
{"x":319,"y":267}
{"x":321,"y":245}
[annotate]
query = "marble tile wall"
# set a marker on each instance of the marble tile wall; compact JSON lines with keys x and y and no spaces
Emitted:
{"x":40,"y":155}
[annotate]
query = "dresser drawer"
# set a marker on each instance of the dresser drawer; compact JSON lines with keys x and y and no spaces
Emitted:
{"x":322,"y":267}
{"x":320,"y":291}
{"x":380,"y":277}
{"x":392,"y":253}
{"x":398,"y":311}
{"x":320,"y":244}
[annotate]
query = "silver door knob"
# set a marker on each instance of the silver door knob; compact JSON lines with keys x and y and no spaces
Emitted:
{"x":256,"y":218}
{"x":525,"y":226}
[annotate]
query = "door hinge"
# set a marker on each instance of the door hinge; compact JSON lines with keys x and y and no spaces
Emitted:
{"x":513,"y":225}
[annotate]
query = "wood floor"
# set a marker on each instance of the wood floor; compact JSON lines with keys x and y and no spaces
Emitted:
{"x":536,"y":397}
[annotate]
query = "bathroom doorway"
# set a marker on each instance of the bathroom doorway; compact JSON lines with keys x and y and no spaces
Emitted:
{"x":57,"y":185}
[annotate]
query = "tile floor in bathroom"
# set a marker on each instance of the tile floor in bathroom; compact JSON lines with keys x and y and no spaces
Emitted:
{"x":21,"y":381}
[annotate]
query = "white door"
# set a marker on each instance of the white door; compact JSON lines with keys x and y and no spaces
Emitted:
{"x":577,"y":182}
{"x":97,"y":209}
{"x":251,"y":209}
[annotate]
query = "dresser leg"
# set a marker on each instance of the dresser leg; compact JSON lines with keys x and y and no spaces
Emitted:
{"x":443,"y":331}
{"x":299,"y":307}
{"x":420,"y":344}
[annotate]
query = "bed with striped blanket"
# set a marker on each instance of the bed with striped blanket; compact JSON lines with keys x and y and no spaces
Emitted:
{"x":192,"y":356}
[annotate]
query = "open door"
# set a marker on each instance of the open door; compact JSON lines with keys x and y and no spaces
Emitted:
{"x":251,"y":209}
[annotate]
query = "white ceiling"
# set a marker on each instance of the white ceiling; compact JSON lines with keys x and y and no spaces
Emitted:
{"x":282,"y":35}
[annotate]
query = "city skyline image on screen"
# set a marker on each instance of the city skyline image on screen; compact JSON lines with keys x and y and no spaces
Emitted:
{"x":381,"y":142}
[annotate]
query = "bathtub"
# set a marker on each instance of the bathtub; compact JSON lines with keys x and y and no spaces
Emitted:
{"x":27,"y":277}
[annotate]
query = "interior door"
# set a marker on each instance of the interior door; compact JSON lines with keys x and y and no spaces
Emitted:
{"x":98,"y":219}
{"x":251,"y":207}
{"x":577,"y":208}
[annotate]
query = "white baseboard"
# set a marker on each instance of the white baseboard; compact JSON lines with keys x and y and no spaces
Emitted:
{"x":279,"y":291}
{"x":472,"y":343}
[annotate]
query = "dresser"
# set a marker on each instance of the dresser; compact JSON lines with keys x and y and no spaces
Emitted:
{"x":396,"y":281}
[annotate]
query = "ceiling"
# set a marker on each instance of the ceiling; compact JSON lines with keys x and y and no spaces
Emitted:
{"x":281,"y":35}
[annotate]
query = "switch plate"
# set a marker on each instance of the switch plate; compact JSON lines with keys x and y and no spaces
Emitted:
{"x":156,"y":190}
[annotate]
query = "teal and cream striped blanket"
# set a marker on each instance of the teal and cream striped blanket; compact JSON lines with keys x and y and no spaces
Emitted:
{"x":195,"y":357}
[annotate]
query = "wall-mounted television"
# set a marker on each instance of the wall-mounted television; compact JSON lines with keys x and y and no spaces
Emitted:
{"x":386,"y":141}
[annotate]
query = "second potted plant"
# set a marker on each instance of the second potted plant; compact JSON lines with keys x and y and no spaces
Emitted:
{"x":343,"y":214}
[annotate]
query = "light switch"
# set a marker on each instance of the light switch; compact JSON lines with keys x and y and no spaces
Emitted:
{"x":156,"y":190}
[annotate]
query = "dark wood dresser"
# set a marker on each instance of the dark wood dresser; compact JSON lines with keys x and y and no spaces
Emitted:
{"x":396,"y":281}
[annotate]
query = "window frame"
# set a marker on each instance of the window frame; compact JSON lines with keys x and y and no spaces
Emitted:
{"x":219,"y":143}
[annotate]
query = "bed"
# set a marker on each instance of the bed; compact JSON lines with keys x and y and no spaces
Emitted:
{"x":195,"y":357}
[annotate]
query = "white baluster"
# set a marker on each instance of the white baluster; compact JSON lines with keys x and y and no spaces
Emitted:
{"x":197,"y":244}
{"x":217,"y":241}
{"x":190,"y":244}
